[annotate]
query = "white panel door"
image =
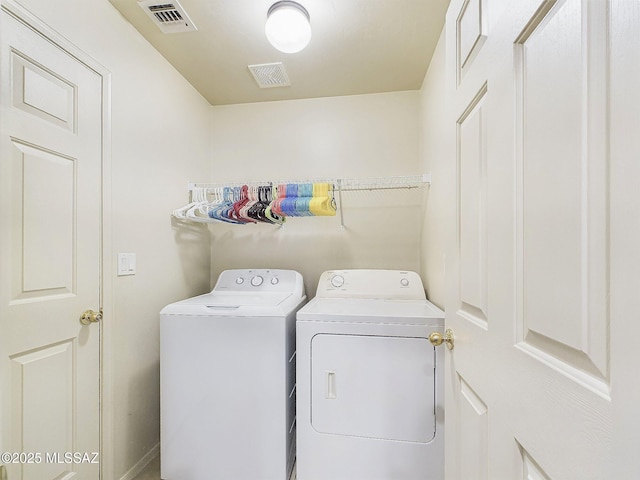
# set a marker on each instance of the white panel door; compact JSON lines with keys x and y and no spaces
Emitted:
{"x":50,"y":212}
{"x":533,"y":277}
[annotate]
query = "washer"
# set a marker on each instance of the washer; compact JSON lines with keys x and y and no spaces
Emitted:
{"x":369,"y":382}
{"x":227,"y":379}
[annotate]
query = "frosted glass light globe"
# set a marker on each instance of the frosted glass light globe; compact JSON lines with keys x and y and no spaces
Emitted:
{"x":288,"y":28}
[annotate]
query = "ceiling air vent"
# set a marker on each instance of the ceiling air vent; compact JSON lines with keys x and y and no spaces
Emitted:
{"x":269,"y":75}
{"x":169,"y":16}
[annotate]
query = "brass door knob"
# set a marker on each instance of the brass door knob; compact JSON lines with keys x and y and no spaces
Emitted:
{"x":89,"y":316}
{"x":436,"y":338}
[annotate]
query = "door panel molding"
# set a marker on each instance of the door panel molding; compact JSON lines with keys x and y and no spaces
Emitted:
{"x":44,"y":373}
{"x":44,"y":195}
{"x":472,"y":212}
{"x":43,"y":93}
{"x":530,"y":468}
{"x":562,"y":190}
{"x":471,"y":33}
{"x":473,"y":437}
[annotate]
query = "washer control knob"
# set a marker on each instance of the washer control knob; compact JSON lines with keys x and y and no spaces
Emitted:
{"x":257,"y":281}
{"x":404,"y":282}
{"x":239,"y":280}
{"x":274,"y":281}
{"x":337,"y":281}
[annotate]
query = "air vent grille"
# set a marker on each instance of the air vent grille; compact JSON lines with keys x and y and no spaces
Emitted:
{"x":166,"y":13}
{"x":170,"y":17}
{"x":270,"y":75}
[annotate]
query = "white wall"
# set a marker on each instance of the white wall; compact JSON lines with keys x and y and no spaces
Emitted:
{"x":435,"y":157}
{"x":353,"y":136}
{"x":159,"y":142}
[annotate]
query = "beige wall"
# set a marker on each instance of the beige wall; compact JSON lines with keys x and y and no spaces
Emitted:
{"x":434,"y":150}
{"x":353,"y":136}
{"x":159,"y":142}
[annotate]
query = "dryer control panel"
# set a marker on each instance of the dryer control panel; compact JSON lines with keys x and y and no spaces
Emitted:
{"x":259,"y":280}
{"x":365,"y":283}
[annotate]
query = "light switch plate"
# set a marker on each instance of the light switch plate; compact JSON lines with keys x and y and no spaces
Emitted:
{"x":126,"y":264}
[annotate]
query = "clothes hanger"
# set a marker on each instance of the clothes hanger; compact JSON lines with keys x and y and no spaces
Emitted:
{"x":212,"y":198}
{"x":305,"y":192}
{"x":220,"y":212}
{"x":289,"y":202}
{"x":252,"y":208}
{"x":276,"y":206}
{"x":258,"y":209}
{"x":195,"y":213}
{"x":270,"y":211}
{"x":323,"y":203}
{"x":236,"y":211}
{"x":182,"y":211}
{"x":259,"y":203}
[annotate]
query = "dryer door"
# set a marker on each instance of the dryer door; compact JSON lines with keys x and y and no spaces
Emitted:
{"x":373,"y":387}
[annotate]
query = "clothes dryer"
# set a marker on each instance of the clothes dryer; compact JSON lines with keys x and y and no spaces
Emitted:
{"x":369,"y":382}
{"x":227,"y":378}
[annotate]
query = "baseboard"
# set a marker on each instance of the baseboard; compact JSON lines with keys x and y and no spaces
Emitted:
{"x":143,"y":462}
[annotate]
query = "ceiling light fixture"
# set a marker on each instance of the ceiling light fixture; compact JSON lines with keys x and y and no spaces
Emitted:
{"x":288,"y":28}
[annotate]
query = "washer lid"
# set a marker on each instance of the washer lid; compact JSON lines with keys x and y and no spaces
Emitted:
{"x":235,"y":304}
{"x":246,"y":293}
{"x":360,"y":310}
{"x":234,"y":299}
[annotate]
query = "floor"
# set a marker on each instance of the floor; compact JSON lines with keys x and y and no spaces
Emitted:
{"x":152,"y":471}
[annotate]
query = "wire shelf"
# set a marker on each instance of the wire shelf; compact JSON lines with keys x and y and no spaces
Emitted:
{"x":345,"y":184}
{"x":340,"y":184}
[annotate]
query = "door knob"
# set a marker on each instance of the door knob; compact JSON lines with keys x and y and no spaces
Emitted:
{"x":89,"y":316}
{"x":436,"y":338}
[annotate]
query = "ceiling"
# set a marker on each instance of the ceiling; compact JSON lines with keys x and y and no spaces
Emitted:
{"x":357,"y":47}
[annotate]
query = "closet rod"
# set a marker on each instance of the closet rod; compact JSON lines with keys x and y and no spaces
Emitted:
{"x":344,"y":184}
